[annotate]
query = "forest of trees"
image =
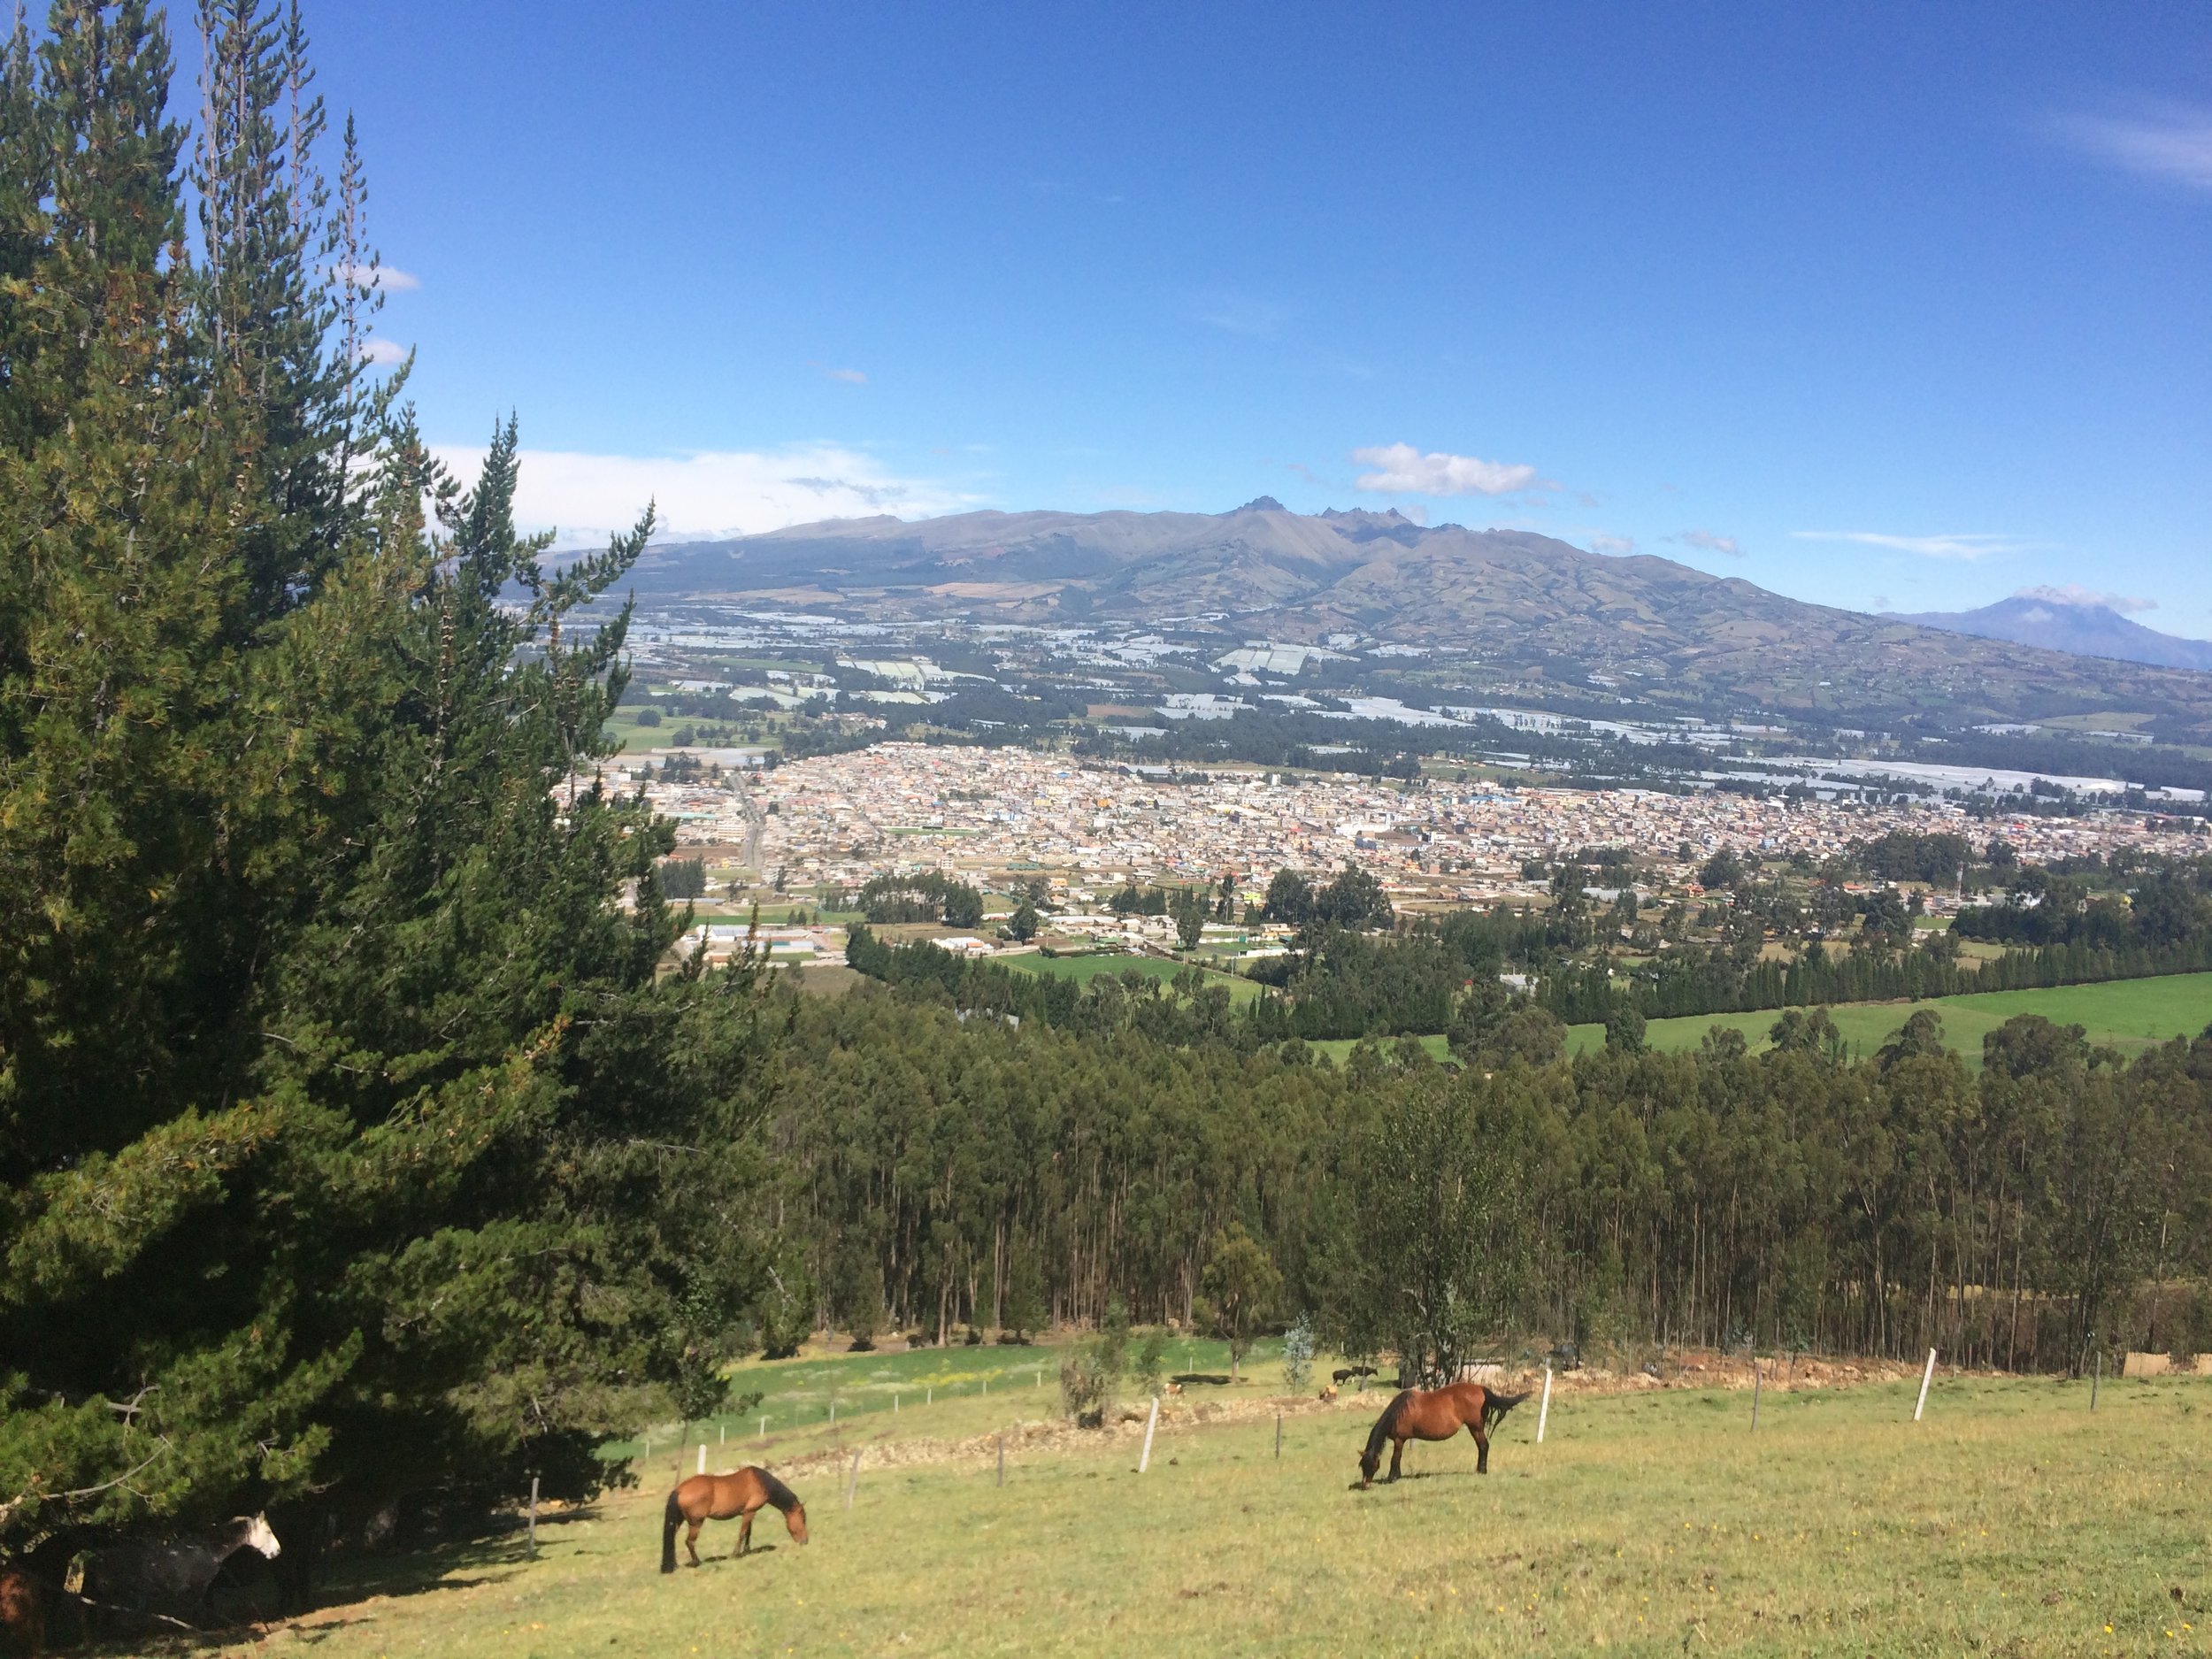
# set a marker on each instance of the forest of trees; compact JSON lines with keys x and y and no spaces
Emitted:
{"x":1797,"y":1199}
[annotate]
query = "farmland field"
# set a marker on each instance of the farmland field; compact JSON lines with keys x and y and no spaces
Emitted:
{"x":2130,"y":1014}
{"x":2011,"y":1521}
{"x":1083,"y":969}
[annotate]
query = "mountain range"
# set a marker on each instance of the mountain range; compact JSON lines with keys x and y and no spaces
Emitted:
{"x":1513,"y":603}
{"x":2061,"y":622}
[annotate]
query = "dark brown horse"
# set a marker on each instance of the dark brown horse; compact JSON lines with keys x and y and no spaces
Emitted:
{"x":1435,"y":1413}
{"x":704,"y":1498}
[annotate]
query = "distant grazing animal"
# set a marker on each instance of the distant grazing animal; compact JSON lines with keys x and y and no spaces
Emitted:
{"x":1350,"y":1372}
{"x":704,"y":1498}
{"x":1435,"y":1413}
{"x":1328,"y":1391}
{"x":22,"y":1616}
{"x":136,"y":1576}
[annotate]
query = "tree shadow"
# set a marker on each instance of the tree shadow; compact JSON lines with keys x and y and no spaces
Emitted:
{"x":250,"y":1608}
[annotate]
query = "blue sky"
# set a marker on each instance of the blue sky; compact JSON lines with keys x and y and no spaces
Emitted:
{"x":1881,"y":304}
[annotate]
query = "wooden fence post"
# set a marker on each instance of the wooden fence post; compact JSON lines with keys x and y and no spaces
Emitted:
{"x":702,"y":1457}
{"x":1755,"y":1374}
{"x":534,"y":1518}
{"x":1543,"y":1411}
{"x":1278,"y":1437}
{"x":1001,"y":1460}
{"x":1144,"y":1458}
{"x":852,"y":1480}
{"x":2095,"y":1381}
{"x":1926,"y":1377}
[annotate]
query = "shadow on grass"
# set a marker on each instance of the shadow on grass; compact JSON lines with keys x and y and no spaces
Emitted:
{"x":250,"y":1610}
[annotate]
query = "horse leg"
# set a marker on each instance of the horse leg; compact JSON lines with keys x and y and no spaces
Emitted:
{"x":744,"y":1535}
{"x":1397,"y":1451}
{"x":1482,"y":1447}
{"x":691,"y":1540}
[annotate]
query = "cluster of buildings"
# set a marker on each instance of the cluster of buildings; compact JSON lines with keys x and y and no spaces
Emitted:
{"x":994,"y":816}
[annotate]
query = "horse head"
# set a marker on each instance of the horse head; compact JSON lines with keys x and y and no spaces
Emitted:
{"x":260,"y":1536}
{"x":795,"y":1521}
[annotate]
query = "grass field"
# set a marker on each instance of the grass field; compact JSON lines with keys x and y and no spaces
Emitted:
{"x":2011,"y":1522}
{"x":2130,"y":1014}
{"x":1340,"y":1048}
{"x":1083,"y":969}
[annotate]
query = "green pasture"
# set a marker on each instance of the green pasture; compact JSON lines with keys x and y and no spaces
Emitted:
{"x":2011,"y":1521}
{"x":1340,"y":1048}
{"x":1083,"y":969}
{"x":2130,"y":1014}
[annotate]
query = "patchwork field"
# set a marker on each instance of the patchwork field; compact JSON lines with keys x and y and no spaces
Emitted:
{"x":2130,"y":1014}
{"x":1083,"y":969}
{"x":2012,"y":1521}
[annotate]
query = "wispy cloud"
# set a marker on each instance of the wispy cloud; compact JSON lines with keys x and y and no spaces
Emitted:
{"x":851,"y":377}
{"x":389,"y":278}
{"x":1710,"y":542}
{"x":710,"y":492}
{"x":1615,"y":545}
{"x":1243,"y":314}
{"x":1402,"y":470}
{"x":2170,"y":141}
{"x":1967,"y":548}
{"x":2075,"y":593}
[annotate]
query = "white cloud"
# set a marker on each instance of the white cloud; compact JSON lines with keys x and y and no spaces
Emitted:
{"x":2075,"y":593}
{"x":376,"y":348}
{"x":851,"y":377}
{"x":1710,"y":542}
{"x":1403,"y":469}
{"x":389,"y":278}
{"x":1613,"y":544}
{"x":707,"y":493}
{"x":2174,"y":142}
{"x":1968,"y":548}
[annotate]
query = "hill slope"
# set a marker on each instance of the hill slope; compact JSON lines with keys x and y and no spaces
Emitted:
{"x":2062,"y":625}
{"x":1509,"y":597}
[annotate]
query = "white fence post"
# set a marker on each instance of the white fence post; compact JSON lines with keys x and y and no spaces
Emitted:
{"x":1543,"y":1411}
{"x":1756,"y":1373}
{"x":1926,"y":1377}
{"x":1144,"y":1458}
{"x":852,"y":1481}
{"x":534,"y":1518}
{"x":702,"y":1457}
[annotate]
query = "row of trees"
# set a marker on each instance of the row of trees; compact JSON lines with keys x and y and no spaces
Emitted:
{"x":1798,"y":1199}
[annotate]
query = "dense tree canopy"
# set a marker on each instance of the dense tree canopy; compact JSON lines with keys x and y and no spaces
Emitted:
{"x":349,"y":1139}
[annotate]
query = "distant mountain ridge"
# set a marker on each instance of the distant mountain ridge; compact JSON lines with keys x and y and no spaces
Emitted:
{"x":1662,"y":630}
{"x":2059,"y":624}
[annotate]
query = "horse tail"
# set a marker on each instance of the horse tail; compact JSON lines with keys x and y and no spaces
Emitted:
{"x":1383,"y":1423}
{"x":671,"y":1518}
{"x":1495,"y":1406}
{"x":780,"y":1495}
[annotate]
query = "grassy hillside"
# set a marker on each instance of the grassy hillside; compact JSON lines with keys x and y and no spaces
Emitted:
{"x":2011,"y":1521}
{"x":2130,"y":1014}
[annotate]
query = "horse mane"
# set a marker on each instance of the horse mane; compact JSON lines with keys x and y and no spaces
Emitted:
{"x":780,"y":1495}
{"x":1383,"y":1423}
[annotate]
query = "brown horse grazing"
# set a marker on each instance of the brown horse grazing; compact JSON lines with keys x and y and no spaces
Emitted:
{"x":704,"y":1498}
{"x":1435,"y":1413}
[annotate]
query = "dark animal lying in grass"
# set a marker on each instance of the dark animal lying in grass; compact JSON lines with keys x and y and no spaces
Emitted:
{"x":1339,"y":1377}
{"x":145,"y":1578}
